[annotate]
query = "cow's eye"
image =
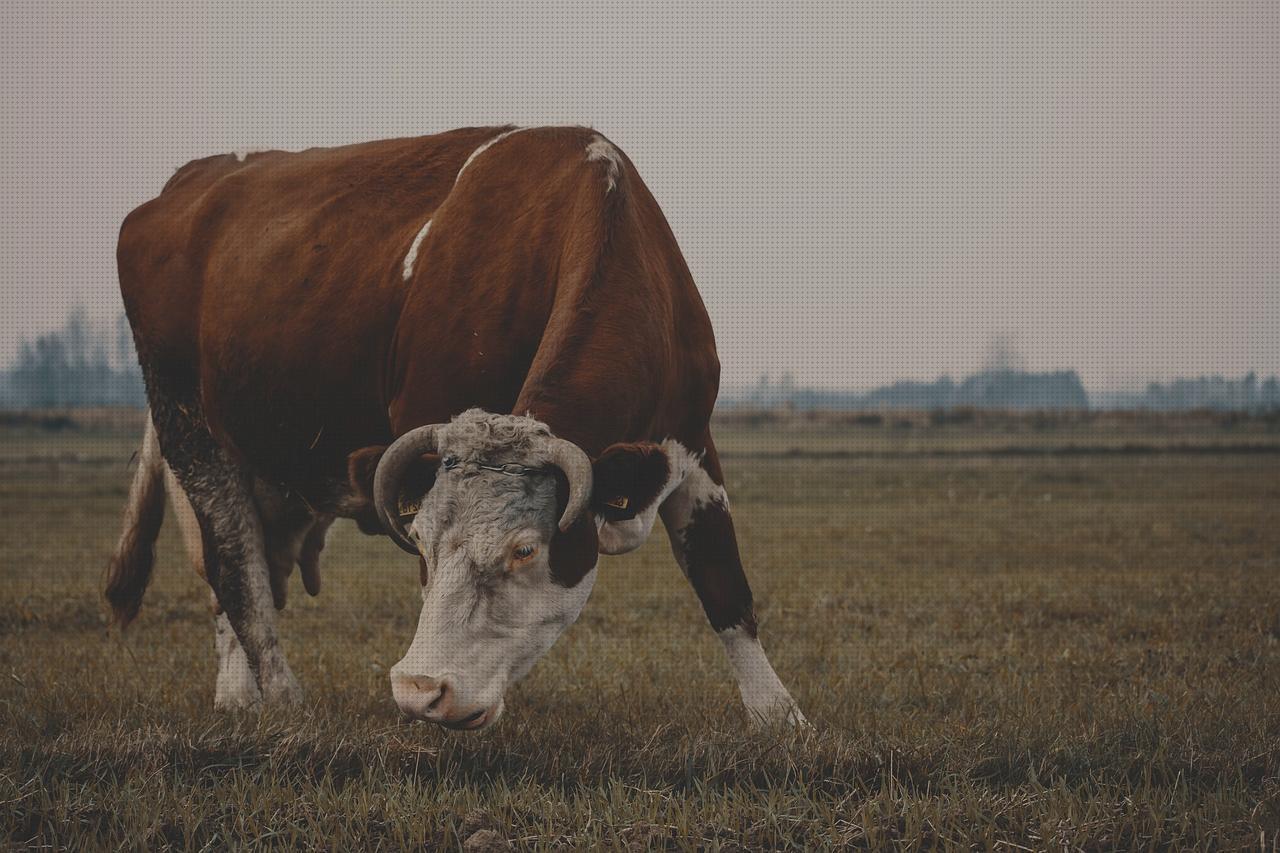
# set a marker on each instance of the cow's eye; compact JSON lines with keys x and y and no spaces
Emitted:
{"x":524,"y":552}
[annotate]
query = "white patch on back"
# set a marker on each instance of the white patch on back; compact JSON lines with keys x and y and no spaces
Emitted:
{"x":413,"y":250}
{"x":600,"y":150}
{"x":411,"y":258}
{"x":483,"y":148}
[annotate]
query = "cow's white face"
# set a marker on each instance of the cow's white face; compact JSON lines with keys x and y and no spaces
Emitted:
{"x":500,"y":582}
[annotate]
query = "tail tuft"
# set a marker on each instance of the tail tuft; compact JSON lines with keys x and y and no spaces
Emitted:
{"x":129,"y":571}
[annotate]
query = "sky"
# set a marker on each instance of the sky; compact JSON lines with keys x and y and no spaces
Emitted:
{"x":864,"y":191}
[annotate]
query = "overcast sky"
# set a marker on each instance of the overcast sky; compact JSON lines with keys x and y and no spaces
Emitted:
{"x":864,"y":192}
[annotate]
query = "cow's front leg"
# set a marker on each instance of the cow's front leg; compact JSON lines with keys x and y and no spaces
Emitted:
{"x":703,"y":540}
{"x":236,"y":686}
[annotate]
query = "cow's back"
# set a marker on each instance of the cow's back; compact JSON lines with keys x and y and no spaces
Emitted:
{"x":271,"y":283}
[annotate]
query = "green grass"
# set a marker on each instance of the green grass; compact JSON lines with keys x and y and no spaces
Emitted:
{"x":1039,"y":652}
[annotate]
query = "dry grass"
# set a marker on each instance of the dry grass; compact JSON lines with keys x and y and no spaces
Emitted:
{"x":1000,"y":652}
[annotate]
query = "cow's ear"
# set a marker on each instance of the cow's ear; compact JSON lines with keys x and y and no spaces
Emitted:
{"x":627,"y":479}
{"x":575,"y":551}
{"x":362,"y":464}
{"x":417,"y":480}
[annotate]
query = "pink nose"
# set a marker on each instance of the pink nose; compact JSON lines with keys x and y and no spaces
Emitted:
{"x":422,"y":697}
{"x":433,"y":699}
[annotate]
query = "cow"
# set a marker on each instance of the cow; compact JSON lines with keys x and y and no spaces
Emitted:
{"x":484,"y":344}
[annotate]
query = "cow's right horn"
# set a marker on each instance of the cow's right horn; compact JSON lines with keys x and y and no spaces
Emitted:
{"x":390,"y":473}
{"x":576,"y":465}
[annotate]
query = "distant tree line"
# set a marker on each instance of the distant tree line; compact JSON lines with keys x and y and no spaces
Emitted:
{"x":999,"y":388}
{"x":85,"y":365}
{"x":1013,"y":390}
{"x":1204,"y":392}
{"x":78,"y":365}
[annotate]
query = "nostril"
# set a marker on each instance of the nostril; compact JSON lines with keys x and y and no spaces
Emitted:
{"x":422,"y":696}
{"x":421,"y":683}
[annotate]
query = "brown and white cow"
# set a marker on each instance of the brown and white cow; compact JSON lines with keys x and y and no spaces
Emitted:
{"x":484,"y":343}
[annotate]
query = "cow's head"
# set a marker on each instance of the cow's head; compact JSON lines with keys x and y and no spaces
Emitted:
{"x":499,"y":512}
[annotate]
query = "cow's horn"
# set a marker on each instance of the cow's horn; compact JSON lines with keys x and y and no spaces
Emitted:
{"x":576,"y":465}
{"x":390,"y":471}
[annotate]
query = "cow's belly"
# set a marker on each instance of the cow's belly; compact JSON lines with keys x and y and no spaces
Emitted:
{"x":298,"y":437}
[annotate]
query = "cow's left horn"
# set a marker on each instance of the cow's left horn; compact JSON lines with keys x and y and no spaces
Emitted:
{"x":576,"y":465}
{"x":390,"y":471}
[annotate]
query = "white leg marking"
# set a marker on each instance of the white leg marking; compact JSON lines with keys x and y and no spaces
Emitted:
{"x":235,"y":687}
{"x":275,"y":678}
{"x":238,"y":517}
{"x":762,"y":692}
{"x":601,"y":150}
{"x":413,"y":250}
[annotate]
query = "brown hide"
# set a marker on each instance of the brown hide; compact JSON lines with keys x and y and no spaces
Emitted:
{"x":276,"y":284}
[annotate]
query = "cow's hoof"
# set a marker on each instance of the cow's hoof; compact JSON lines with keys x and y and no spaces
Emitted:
{"x":241,"y":696}
{"x":282,"y":690}
{"x":236,"y":689}
{"x":784,"y":714}
{"x":236,"y":701}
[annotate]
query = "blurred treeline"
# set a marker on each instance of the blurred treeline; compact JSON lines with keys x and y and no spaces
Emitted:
{"x":1015,"y":390}
{"x":88,"y":364}
{"x":81,"y":364}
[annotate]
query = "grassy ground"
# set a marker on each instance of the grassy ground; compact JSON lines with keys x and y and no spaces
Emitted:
{"x":1003,"y":651}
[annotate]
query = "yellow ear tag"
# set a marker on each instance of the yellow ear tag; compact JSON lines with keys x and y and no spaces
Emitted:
{"x":620,"y":502}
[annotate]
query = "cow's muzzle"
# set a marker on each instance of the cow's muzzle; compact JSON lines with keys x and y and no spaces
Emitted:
{"x":436,"y":701}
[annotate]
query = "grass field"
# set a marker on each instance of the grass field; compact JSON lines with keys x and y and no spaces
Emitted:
{"x":997,"y":649}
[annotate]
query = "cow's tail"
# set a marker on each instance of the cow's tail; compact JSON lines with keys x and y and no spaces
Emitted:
{"x":130,"y":569}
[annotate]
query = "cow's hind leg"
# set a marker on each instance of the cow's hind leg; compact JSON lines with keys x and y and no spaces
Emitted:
{"x":702,"y":537}
{"x":234,"y":556}
{"x":235,"y":686}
